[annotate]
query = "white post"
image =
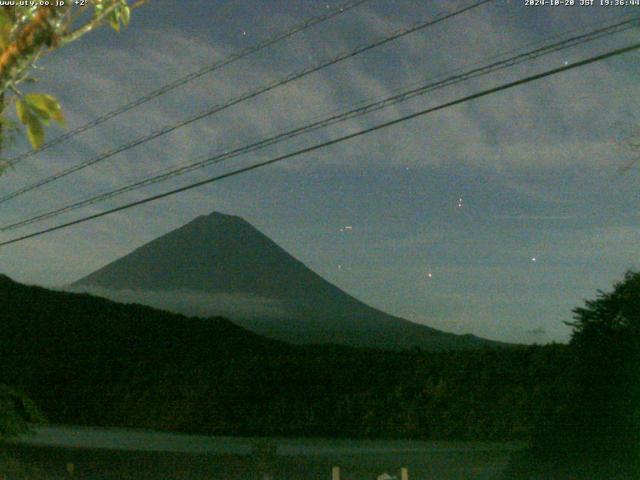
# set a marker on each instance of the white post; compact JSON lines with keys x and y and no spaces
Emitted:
{"x":335,"y":473}
{"x":404,"y":473}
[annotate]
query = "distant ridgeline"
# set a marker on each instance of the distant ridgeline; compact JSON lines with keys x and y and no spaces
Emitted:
{"x":87,"y":360}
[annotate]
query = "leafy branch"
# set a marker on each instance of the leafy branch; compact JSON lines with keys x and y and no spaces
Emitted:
{"x":27,"y":33}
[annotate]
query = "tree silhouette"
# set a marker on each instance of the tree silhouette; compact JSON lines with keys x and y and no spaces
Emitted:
{"x":17,"y":412}
{"x":606,"y":339}
{"x":598,"y":418}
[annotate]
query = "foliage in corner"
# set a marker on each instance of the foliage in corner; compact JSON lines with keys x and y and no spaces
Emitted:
{"x":29,"y":32}
{"x":599,"y":420}
{"x":35,"y":110}
{"x":17,"y":413}
{"x":610,"y":315}
{"x":606,"y":337}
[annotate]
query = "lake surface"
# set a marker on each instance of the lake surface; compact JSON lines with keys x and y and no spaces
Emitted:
{"x":296,"y":458}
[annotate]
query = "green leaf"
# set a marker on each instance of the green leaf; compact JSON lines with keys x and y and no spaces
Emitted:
{"x":114,"y":20}
{"x":45,"y":106}
{"x":35,"y":131}
{"x":125,"y":15}
{"x":35,"y":110}
{"x":5,"y":28}
{"x":22,"y":110}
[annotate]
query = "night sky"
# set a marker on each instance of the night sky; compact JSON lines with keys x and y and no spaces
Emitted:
{"x":495,"y":217}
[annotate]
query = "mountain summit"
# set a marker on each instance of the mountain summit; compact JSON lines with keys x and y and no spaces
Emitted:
{"x":221,"y":265}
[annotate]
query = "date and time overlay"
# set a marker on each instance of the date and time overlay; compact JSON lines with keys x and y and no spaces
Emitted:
{"x":527,"y":3}
{"x":581,"y":3}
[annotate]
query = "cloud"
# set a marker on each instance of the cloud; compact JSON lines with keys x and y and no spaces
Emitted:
{"x":195,"y":303}
{"x":540,"y":153}
{"x":536,"y":217}
{"x":538,"y":331}
{"x":589,"y":245}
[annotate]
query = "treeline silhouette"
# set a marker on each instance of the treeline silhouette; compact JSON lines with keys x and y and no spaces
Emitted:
{"x":593,"y":431}
{"x":86,"y":360}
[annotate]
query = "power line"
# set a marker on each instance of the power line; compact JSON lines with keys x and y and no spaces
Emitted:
{"x":245,"y":52}
{"x":365,"y":109}
{"x":218,"y":108}
{"x":359,"y":111}
{"x":318,"y":146}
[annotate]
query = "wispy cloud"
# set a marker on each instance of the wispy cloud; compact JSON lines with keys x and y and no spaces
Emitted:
{"x":194,"y":303}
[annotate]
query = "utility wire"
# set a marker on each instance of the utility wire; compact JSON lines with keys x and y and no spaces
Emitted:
{"x":218,"y":108}
{"x":505,"y":86}
{"x":359,"y":111}
{"x":189,"y":77}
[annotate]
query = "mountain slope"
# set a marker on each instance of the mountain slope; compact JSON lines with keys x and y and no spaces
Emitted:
{"x":220,"y":264}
